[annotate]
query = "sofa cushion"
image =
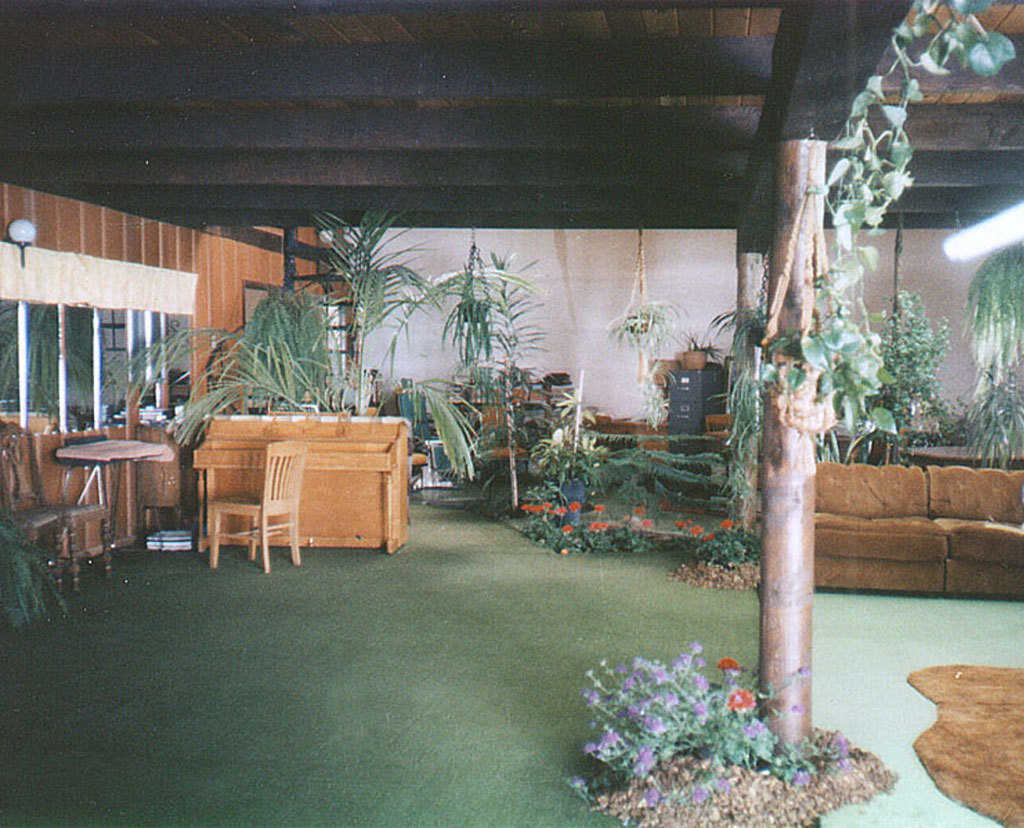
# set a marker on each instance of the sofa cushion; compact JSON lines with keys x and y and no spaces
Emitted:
{"x":866,"y":491}
{"x":975,"y":494}
{"x":984,"y":542}
{"x":909,"y":539}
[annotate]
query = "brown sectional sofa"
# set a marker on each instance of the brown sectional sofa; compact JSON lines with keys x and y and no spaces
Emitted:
{"x":949,"y":529}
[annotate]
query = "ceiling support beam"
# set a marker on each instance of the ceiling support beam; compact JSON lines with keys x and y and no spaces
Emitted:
{"x":397,"y":71}
{"x":824,"y":54}
{"x":358,"y":128}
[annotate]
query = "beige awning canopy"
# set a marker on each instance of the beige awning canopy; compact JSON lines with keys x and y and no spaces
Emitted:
{"x":50,"y":277}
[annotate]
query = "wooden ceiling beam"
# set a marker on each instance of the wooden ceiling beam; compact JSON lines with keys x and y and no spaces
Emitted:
{"x":141,"y":199}
{"x":989,"y":126}
{"x":355,"y":128}
{"x":824,"y":53}
{"x":396,"y":71}
{"x":625,"y":166}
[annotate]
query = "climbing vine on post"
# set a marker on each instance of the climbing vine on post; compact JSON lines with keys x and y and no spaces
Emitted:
{"x":835,"y":364}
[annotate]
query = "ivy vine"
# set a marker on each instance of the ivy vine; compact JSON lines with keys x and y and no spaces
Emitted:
{"x":839,"y":350}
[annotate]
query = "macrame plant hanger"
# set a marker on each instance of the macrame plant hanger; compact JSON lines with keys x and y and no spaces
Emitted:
{"x":638,"y":298}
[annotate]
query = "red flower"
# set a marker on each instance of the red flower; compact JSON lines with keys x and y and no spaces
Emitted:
{"x":696,"y":530}
{"x":546,"y":506}
{"x":638,"y":511}
{"x":599,"y":508}
{"x":647,"y":524}
{"x":560,"y":510}
{"x":710,"y":536}
{"x":575,"y":506}
{"x":532,"y":508}
{"x":597,"y":526}
{"x":681,"y":524}
{"x":567,"y":530}
{"x":727,"y":524}
{"x":728,"y":664}
{"x":740,"y":700}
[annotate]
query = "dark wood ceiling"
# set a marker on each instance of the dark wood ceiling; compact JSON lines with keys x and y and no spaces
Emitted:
{"x":534,"y":113}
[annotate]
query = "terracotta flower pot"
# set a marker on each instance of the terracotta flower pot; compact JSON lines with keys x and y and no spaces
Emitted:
{"x":693,"y":360}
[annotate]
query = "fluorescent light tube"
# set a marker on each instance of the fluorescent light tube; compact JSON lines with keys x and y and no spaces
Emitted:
{"x":1000,"y":230}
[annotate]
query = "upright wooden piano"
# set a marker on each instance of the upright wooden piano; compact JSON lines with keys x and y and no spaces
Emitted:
{"x":355,"y":489}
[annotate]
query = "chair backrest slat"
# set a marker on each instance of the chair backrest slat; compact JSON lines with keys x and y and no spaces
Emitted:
{"x":286,"y":462}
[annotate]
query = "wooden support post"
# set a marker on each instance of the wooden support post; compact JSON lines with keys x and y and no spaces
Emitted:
{"x":787,"y":465}
{"x":288,"y":242}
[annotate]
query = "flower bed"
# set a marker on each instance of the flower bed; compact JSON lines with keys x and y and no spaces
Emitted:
{"x":548,"y":525}
{"x":675,"y":746}
{"x":727,"y":558}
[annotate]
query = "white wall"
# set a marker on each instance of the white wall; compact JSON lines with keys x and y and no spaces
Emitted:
{"x":586,"y":277}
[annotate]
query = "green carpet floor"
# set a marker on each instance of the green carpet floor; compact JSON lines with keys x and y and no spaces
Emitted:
{"x":437,"y":687}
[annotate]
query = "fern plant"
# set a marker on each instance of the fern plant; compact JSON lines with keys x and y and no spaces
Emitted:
{"x":995,"y":314}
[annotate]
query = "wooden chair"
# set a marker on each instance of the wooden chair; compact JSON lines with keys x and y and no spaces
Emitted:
{"x":282,"y":485}
{"x":21,"y":494}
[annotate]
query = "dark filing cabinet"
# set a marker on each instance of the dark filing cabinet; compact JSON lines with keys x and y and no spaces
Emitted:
{"x":692,"y":395}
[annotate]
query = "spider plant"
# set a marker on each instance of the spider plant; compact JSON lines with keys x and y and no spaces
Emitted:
{"x":995,"y":314}
{"x":648,"y":327}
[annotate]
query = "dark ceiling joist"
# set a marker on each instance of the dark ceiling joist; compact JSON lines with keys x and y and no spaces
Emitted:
{"x":824,"y":54}
{"x":291,"y":8}
{"x":145,"y":199}
{"x":990,"y":126}
{"x":398,"y":71}
{"x":386,"y":168}
{"x":932,"y":168}
{"x":356,"y":128}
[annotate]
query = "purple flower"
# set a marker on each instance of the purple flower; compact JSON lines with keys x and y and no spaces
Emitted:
{"x":700,"y":662}
{"x":695,"y":647}
{"x":683,"y":662}
{"x":700,"y":794}
{"x":633,"y":712}
{"x":591,"y":697}
{"x":804,"y":672}
{"x":801,"y":777}
{"x":660,"y":675}
{"x":622,"y":668}
{"x":796,"y":708}
{"x":700,"y":710}
{"x":723,"y":785}
{"x":840,"y":745}
{"x":652,"y":797}
{"x":578,"y":782}
{"x":590,"y":747}
{"x":701,"y":682}
{"x":608,"y":739}
{"x":670,"y":700}
{"x":754,"y":729}
{"x":644,"y":761}
{"x":655,"y":725}
{"x":845,"y":764}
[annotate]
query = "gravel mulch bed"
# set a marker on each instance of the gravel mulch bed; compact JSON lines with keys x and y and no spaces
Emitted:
{"x":712,"y":576}
{"x":752,"y":798}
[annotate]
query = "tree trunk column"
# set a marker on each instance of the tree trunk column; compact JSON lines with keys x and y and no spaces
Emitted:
{"x":787,"y":463}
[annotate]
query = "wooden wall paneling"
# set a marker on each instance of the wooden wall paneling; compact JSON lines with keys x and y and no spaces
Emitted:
{"x":133,"y":238}
{"x":68,"y":224}
{"x":187,"y":249}
{"x":47,"y":219}
{"x":151,"y":243}
{"x":113,"y":234}
{"x":168,"y":246}
{"x":92,"y":229}
{"x":19,"y":204}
